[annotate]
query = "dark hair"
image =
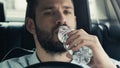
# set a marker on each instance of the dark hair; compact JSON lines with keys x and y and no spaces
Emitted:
{"x":31,"y":7}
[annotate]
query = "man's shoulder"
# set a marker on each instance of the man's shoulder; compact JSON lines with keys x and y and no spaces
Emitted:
{"x":19,"y":62}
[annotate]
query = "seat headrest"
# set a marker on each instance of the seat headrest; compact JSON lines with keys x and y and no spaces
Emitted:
{"x":114,"y":31}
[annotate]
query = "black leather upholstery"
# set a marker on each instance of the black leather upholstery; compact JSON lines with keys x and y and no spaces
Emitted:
{"x":2,"y":15}
{"x":109,"y":36}
{"x":82,"y":14}
{"x":12,"y":36}
{"x":111,"y":40}
{"x":17,"y":52}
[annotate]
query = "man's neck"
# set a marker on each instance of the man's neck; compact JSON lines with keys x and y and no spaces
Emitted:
{"x":45,"y":57}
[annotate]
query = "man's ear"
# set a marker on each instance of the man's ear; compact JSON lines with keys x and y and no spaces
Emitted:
{"x":30,"y":25}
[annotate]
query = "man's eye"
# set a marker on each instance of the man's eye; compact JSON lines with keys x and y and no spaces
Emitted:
{"x":48,"y":13}
{"x":67,"y":12}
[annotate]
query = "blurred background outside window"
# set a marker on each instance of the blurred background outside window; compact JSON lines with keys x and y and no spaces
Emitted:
{"x":14,"y":9}
{"x":99,"y":10}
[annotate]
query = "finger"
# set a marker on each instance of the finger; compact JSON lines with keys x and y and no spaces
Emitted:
{"x":92,"y":44}
{"x":88,"y":40}
{"x":78,"y":46}
{"x":82,"y":42}
{"x":74,"y":34}
{"x":73,"y":43}
{"x":71,"y":37}
{"x":76,"y":40}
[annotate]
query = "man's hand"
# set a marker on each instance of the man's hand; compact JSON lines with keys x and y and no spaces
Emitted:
{"x":79,"y":38}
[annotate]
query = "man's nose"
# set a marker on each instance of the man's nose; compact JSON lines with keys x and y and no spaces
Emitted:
{"x":60,"y":19}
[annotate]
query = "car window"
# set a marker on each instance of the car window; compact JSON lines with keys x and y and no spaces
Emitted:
{"x":100,"y":10}
{"x":14,"y":10}
{"x":103,"y":10}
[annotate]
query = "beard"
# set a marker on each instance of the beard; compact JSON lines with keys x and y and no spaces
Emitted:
{"x":46,"y":39}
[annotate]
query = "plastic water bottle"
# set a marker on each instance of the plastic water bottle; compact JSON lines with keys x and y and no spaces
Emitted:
{"x":83,"y":55}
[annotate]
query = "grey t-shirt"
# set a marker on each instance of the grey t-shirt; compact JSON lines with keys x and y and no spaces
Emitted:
{"x":31,"y":59}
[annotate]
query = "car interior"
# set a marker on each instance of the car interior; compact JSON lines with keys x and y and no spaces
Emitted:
{"x":16,"y":41}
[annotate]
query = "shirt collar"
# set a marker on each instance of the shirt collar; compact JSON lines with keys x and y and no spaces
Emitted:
{"x":33,"y":58}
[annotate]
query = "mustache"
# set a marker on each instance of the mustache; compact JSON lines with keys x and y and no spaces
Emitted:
{"x":57,"y":26}
{"x":54,"y":29}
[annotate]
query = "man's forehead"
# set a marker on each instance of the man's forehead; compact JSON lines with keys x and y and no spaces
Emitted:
{"x":53,"y":3}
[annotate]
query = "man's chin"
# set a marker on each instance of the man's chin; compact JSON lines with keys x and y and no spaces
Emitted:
{"x":53,"y":47}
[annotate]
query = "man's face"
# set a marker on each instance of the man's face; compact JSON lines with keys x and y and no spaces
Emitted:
{"x":50,"y":14}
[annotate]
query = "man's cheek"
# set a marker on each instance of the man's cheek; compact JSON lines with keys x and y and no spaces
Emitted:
{"x":55,"y":37}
